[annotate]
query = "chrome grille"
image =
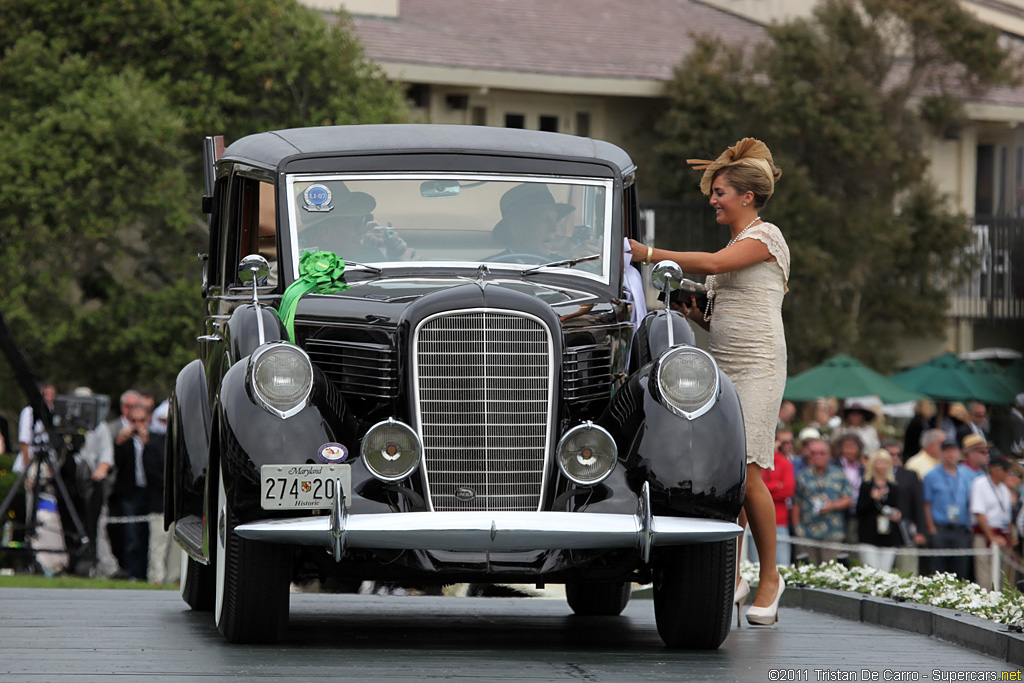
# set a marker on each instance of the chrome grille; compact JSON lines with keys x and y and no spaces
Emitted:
{"x":483,"y":382}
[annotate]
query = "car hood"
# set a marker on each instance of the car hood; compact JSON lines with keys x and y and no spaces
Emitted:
{"x":408,"y":289}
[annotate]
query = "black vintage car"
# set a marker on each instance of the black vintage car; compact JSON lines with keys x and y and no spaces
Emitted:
{"x":418,"y":365}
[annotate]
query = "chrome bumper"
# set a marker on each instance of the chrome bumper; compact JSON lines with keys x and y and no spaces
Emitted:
{"x":490,"y":531}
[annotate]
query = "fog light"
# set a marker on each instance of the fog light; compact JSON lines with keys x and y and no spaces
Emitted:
{"x":391,"y":450}
{"x":587,"y":454}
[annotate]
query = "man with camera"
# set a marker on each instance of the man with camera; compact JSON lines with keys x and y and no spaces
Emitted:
{"x":136,"y":452}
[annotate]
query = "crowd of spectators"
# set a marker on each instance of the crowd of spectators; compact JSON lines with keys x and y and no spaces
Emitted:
{"x":852,"y":489}
{"x":114,"y":479}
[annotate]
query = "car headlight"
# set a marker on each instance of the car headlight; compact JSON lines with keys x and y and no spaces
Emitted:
{"x":587,"y":454}
{"x":281,"y":378}
{"x":391,"y":450}
{"x":685,"y":380}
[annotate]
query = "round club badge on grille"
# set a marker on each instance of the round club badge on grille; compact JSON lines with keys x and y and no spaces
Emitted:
{"x":465,"y":493}
{"x":332,"y":453}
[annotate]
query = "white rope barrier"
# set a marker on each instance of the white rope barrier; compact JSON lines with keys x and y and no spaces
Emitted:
{"x":899,"y":550}
{"x":134,"y":519}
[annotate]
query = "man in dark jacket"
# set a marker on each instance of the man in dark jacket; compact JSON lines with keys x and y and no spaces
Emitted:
{"x":134,"y":447}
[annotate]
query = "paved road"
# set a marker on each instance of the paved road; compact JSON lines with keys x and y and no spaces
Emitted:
{"x":58,"y":636}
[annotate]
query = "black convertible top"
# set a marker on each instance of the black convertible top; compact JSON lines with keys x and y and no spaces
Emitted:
{"x":271,"y":148}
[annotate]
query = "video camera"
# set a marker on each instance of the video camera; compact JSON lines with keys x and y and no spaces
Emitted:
{"x":74,"y":414}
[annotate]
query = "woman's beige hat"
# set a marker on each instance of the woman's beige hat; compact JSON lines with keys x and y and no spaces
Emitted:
{"x":747,"y":152}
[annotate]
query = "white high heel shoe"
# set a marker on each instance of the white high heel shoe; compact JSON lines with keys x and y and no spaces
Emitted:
{"x":739,"y":597}
{"x":766,"y":616}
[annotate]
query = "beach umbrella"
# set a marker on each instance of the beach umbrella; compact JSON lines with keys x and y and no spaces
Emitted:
{"x":948,"y":378}
{"x":1002,"y":381}
{"x":843,"y":376}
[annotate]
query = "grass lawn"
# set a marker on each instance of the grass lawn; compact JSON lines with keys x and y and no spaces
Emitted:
{"x":39,"y":581}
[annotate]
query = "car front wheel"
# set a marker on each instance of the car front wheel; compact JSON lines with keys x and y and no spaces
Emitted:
{"x":253,"y":581}
{"x":693,"y":586}
{"x":198,"y":584}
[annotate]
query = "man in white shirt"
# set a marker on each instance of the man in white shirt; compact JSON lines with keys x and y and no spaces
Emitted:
{"x":31,"y":429}
{"x":991,"y":506}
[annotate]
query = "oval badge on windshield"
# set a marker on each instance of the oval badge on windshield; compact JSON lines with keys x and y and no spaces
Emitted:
{"x":465,"y":493}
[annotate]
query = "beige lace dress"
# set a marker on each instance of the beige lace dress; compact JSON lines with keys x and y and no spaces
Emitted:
{"x":748,"y":342}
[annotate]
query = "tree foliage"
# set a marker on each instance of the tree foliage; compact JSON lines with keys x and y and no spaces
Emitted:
{"x":841,"y":98}
{"x":103,"y":107}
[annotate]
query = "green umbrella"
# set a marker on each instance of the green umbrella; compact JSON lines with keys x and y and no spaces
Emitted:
{"x":998,"y":377}
{"x":845,"y":377}
{"x":948,"y":378}
{"x":1015,"y":369}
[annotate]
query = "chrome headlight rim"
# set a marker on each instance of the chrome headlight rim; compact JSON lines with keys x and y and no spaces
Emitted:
{"x":391,"y":422}
{"x":260,"y":397}
{"x":663,"y":399}
{"x":586,"y":426}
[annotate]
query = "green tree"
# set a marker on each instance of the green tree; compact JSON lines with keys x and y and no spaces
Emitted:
{"x":103,"y":107}
{"x":842,"y":99}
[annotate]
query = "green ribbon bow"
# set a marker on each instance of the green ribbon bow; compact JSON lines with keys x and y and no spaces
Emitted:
{"x":319,"y":272}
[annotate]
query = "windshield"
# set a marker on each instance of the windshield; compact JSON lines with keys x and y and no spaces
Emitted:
{"x":432,"y":220}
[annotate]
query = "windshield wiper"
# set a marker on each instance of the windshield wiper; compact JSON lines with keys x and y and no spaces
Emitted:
{"x":567,"y":262}
{"x":375,"y":269}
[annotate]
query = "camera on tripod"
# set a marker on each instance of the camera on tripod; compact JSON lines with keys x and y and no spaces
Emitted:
{"x":74,"y":414}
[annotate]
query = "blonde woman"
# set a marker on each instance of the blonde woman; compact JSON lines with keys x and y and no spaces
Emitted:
{"x":878,"y":512}
{"x":746,"y":283}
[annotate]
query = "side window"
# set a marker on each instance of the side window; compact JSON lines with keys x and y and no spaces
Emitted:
{"x":218,"y":227}
{"x":255,"y":222}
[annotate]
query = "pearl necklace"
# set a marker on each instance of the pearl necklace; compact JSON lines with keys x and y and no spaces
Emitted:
{"x":709,"y":282}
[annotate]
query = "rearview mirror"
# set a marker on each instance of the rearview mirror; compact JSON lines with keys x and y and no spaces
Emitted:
{"x":432,"y":189}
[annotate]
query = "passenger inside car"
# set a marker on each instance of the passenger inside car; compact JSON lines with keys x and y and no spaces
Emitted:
{"x":529,"y":222}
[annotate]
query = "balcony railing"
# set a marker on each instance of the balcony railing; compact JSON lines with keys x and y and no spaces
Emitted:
{"x":995,"y":290}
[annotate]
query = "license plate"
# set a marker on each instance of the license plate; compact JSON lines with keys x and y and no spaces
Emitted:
{"x":301,"y":487}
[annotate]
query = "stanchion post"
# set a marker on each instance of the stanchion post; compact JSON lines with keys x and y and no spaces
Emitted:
{"x":997,"y":568}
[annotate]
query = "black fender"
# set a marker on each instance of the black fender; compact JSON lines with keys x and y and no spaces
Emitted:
{"x":188,"y":444}
{"x":651,"y":337}
{"x":695,"y":467}
{"x":243,"y":332}
{"x":250,"y":437}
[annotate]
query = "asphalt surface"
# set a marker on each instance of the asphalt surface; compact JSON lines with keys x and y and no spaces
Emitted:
{"x":59,"y":635}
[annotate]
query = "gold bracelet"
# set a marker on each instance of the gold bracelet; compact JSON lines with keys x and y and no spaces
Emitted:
{"x":650,"y":253}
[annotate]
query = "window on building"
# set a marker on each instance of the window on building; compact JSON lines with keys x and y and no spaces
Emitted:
{"x":515,"y":121}
{"x":478,"y":116}
{"x":583,"y":124}
{"x":548,"y":123}
{"x":457,"y":101}
{"x":418,"y":95}
{"x":984,"y":191}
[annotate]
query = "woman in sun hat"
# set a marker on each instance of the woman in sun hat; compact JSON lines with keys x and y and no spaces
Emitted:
{"x":746,"y":282}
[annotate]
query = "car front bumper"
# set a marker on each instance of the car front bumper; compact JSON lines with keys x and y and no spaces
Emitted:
{"x":491,"y":531}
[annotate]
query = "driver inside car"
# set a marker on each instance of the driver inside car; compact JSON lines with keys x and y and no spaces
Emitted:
{"x":529,"y":221}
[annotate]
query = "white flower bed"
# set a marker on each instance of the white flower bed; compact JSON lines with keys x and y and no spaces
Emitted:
{"x":938,"y":590}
